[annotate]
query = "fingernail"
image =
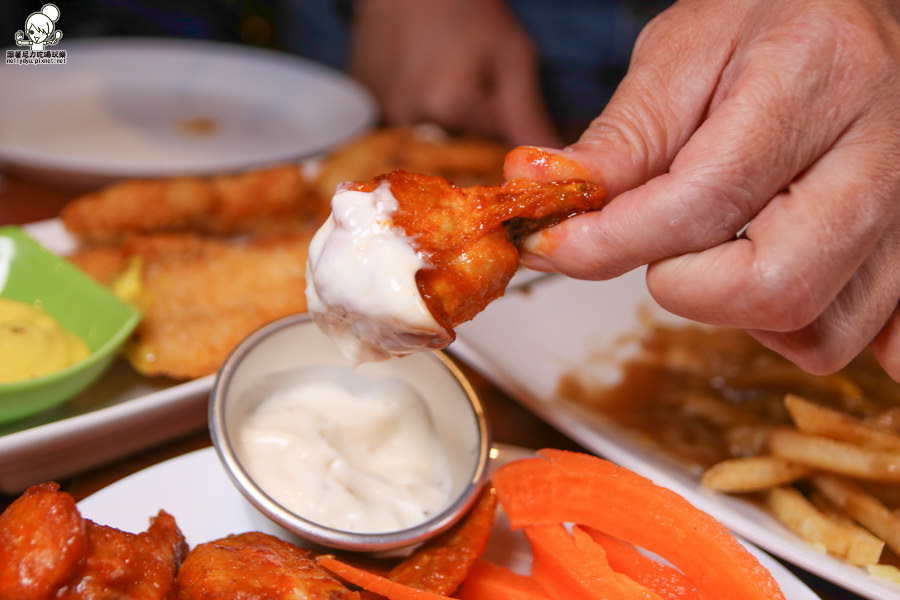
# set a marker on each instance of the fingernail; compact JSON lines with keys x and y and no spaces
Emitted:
{"x":547,"y":164}
{"x":532,"y":256}
{"x":537,"y":263}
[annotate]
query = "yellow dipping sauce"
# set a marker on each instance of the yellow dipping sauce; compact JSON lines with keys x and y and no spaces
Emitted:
{"x":32,"y":343}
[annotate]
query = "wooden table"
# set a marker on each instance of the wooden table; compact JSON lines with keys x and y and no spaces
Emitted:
{"x":23,"y":201}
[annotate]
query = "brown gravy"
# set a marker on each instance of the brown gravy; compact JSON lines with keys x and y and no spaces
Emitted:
{"x":706,"y":394}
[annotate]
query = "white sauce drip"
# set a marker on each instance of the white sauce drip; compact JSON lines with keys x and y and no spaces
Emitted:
{"x":361,"y":287}
{"x":348,"y":451}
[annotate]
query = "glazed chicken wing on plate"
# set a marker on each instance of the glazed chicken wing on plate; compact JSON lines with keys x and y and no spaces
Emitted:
{"x":406,"y":257}
{"x":47,"y":550}
{"x":256,"y":566}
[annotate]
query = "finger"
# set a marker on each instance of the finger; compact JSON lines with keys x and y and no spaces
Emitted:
{"x":769,"y":128}
{"x":847,"y":326}
{"x":518,"y":110}
{"x":799,"y":251}
{"x":453,"y":93}
{"x":815,"y":278}
{"x":660,"y":101}
{"x":716,"y":184}
{"x":886,"y":346}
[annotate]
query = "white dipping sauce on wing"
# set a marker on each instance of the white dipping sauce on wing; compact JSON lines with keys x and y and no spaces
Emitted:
{"x":352,"y":452}
{"x":361,"y":281}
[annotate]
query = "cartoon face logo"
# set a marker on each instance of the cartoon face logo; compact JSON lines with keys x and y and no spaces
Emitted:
{"x":40,"y":28}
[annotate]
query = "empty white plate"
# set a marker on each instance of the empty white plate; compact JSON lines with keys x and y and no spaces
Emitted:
{"x":141,"y":107}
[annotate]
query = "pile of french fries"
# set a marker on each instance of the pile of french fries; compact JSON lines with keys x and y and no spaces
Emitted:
{"x":821,"y":454}
{"x":828,"y":455}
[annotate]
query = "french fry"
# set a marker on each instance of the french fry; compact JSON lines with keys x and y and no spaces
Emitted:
{"x":816,"y":419}
{"x":748,"y":440}
{"x":842,"y":539}
{"x":861,"y":507}
{"x":752,"y":474}
{"x":714,"y":397}
{"x":834,"y":456}
{"x":888,"y":572}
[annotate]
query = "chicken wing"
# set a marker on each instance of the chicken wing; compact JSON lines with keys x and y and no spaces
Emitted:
{"x":43,"y":540}
{"x":256,"y":566}
{"x":442,"y":563}
{"x":49,"y":551}
{"x":119,"y":564}
{"x":406,"y":257}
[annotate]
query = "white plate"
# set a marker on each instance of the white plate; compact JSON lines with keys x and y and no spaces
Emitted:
{"x":157,"y":107}
{"x":195,"y":489}
{"x":120,"y":414}
{"x":525,"y":341}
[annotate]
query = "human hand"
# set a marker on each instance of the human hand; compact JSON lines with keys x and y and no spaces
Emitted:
{"x":784,"y":117}
{"x":465,"y":65}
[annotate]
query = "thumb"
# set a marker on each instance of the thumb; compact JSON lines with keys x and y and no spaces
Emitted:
{"x":659,"y":103}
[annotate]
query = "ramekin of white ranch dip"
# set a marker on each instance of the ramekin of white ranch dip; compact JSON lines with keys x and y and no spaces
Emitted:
{"x":371,"y":457}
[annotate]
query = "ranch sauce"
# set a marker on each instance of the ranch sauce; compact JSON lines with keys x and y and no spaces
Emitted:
{"x":348,"y":451}
{"x":361,"y":281}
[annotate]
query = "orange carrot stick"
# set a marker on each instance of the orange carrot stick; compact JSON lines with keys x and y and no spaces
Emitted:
{"x":570,"y":487}
{"x":571,"y":566}
{"x":487,"y":581}
{"x":668,"y":582}
{"x":374,"y":582}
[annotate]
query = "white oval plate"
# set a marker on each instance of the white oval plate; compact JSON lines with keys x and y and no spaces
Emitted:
{"x":132,"y":107}
{"x":195,"y":489}
{"x":557,"y":324}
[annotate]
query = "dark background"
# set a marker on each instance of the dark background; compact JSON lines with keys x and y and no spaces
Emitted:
{"x":240,"y":21}
{"x":583,"y":45}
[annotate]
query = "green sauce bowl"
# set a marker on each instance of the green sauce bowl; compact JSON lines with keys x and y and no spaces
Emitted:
{"x":32,"y":274}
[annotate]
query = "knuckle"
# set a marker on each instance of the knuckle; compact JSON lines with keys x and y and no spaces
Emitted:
{"x":808,"y":351}
{"x":853,"y":36}
{"x":822,"y":360}
{"x":783,"y":300}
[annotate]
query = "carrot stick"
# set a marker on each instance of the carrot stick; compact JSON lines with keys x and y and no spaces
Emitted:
{"x":574,"y":567}
{"x":667,"y":581}
{"x":570,"y":487}
{"x":374,"y":582}
{"x":487,"y":581}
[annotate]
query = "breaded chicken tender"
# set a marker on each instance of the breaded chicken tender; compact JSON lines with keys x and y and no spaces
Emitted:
{"x":257,"y":200}
{"x":49,"y":551}
{"x":200,"y":296}
{"x":210,"y":259}
{"x":424,"y":149}
{"x":256,"y":566}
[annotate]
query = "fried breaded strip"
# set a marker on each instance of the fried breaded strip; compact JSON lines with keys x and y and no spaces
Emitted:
{"x":225,"y":204}
{"x":256,"y":566}
{"x":427,"y":150}
{"x":201,"y":296}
